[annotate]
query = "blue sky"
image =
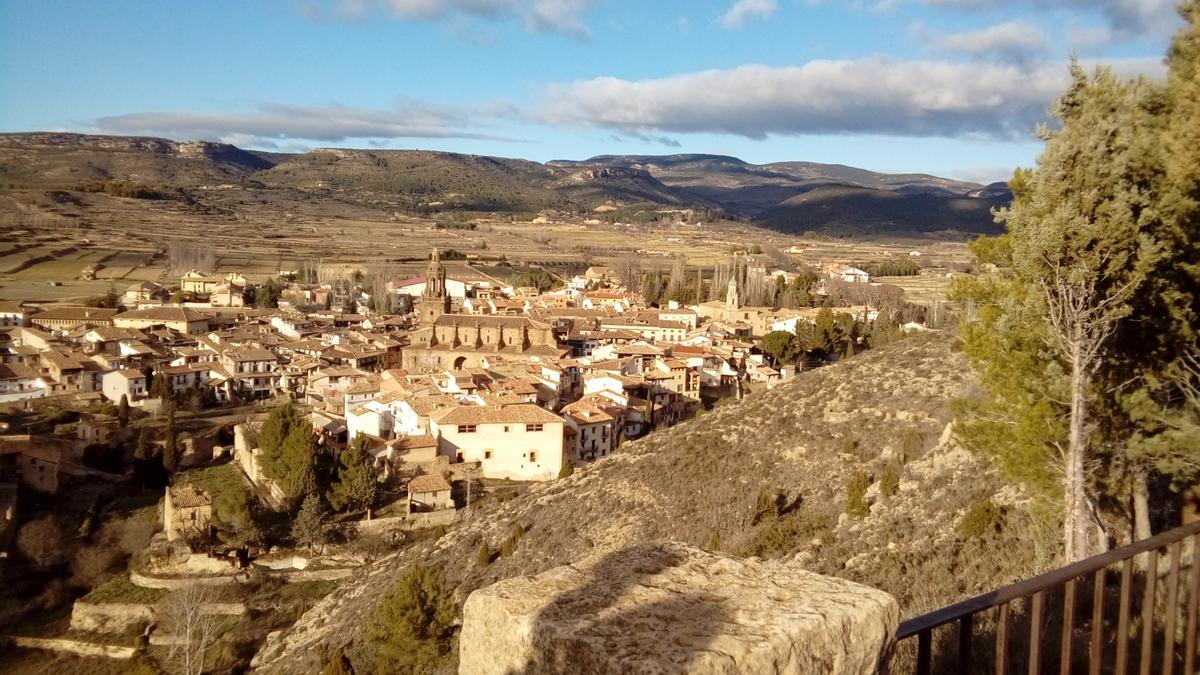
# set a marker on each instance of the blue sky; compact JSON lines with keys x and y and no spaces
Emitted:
{"x":951,"y":87}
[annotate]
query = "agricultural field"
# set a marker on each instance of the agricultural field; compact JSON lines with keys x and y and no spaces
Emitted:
{"x":131,"y":240}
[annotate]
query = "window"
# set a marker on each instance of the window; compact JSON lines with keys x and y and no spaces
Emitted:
{"x":487,"y":454}
{"x":466,"y":428}
{"x":532,"y":456}
{"x":533,"y":427}
{"x":506,"y":428}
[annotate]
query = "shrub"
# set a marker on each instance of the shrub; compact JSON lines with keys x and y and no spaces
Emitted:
{"x":981,"y":518}
{"x":412,"y":628}
{"x":765,"y":507}
{"x":714,"y":543}
{"x":567,"y":469}
{"x":484,"y":557}
{"x":856,"y":495}
{"x":889,"y":482}
{"x":779,"y":538}
{"x":508,"y":547}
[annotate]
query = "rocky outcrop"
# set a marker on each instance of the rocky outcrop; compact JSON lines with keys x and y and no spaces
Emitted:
{"x":670,"y":607}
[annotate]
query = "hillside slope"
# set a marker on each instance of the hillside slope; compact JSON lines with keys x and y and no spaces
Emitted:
{"x":62,"y":161}
{"x":699,"y":482}
{"x":42,"y":169}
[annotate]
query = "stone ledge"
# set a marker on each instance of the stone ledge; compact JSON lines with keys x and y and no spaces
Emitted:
{"x":674,"y":608}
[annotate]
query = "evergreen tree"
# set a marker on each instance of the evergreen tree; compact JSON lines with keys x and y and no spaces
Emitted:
{"x":413,"y":627}
{"x":311,"y":524}
{"x":171,"y":441}
{"x":1085,"y":350}
{"x":123,"y":412}
{"x":289,"y":451}
{"x":783,"y":346}
{"x":357,"y":481}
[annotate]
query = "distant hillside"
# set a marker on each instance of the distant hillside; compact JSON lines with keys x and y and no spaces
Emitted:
{"x":472,"y":182}
{"x":61,"y":161}
{"x":833,"y":198}
{"x":857,"y":210}
{"x":700,"y":482}
{"x":786,"y":196}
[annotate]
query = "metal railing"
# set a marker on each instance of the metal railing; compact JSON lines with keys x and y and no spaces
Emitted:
{"x":1051,"y":602}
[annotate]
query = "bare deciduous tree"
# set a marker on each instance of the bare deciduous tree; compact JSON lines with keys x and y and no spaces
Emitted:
{"x":41,"y":541}
{"x":186,"y":615}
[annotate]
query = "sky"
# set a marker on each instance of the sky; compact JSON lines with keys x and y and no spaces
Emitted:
{"x":949,"y":87}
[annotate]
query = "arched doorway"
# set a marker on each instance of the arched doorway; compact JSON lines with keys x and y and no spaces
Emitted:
{"x":460,"y":362}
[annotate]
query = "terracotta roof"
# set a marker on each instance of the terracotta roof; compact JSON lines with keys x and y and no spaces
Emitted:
{"x":162,"y":314}
{"x":427,"y":483}
{"x":520,"y":413}
{"x":189,"y":496}
{"x":76,"y":314}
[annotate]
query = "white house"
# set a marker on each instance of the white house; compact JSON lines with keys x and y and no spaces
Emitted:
{"x":518,"y":442}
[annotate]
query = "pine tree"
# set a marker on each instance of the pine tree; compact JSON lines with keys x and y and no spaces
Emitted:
{"x":311,"y":524}
{"x":289,"y":451}
{"x":412,"y":629}
{"x":357,"y":481}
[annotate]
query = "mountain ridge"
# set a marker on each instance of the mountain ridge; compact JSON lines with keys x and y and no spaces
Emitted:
{"x":852,"y":200}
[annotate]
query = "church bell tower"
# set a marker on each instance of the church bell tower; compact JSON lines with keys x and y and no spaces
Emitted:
{"x":435,"y":301}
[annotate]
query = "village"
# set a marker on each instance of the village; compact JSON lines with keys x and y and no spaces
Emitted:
{"x":278,"y":439}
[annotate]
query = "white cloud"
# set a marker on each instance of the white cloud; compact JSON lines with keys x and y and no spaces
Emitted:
{"x":1010,"y":41}
{"x":742,"y":10}
{"x":542,"y":16}
{"x":864,"y":96}
{"x":273,"y":123}
{"x":1125,"y":18}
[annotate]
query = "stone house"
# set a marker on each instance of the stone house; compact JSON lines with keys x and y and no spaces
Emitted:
{"x":187,"y":513}
{"x":429,"y":493}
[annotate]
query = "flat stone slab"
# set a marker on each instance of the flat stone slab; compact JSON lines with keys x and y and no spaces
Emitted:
{"x":674,"y":608}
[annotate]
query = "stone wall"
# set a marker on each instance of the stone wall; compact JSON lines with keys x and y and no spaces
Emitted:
{"x":671,"y":607}
{"x":109,"y":617}
{"x":74,"y":647}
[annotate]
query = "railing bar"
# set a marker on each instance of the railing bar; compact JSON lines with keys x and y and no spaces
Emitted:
{"x":1035,"y":633}
{"x":964,"y":643}
{"x":924,"y":652}
{"x":1123,"y":618}
{"x":1148,"y":611}
{"x":1168,"y":663}
{"x":1189,"y":644}
{"x":1068,"y":627}
{"x":1002,"y":638}
{"x":1096,"y":651}
{"x":1041,"y":582}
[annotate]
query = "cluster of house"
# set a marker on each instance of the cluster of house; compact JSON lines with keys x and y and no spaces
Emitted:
{"x":506,"y":381}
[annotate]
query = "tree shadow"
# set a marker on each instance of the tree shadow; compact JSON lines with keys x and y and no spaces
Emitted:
{"x":625,"y":616}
